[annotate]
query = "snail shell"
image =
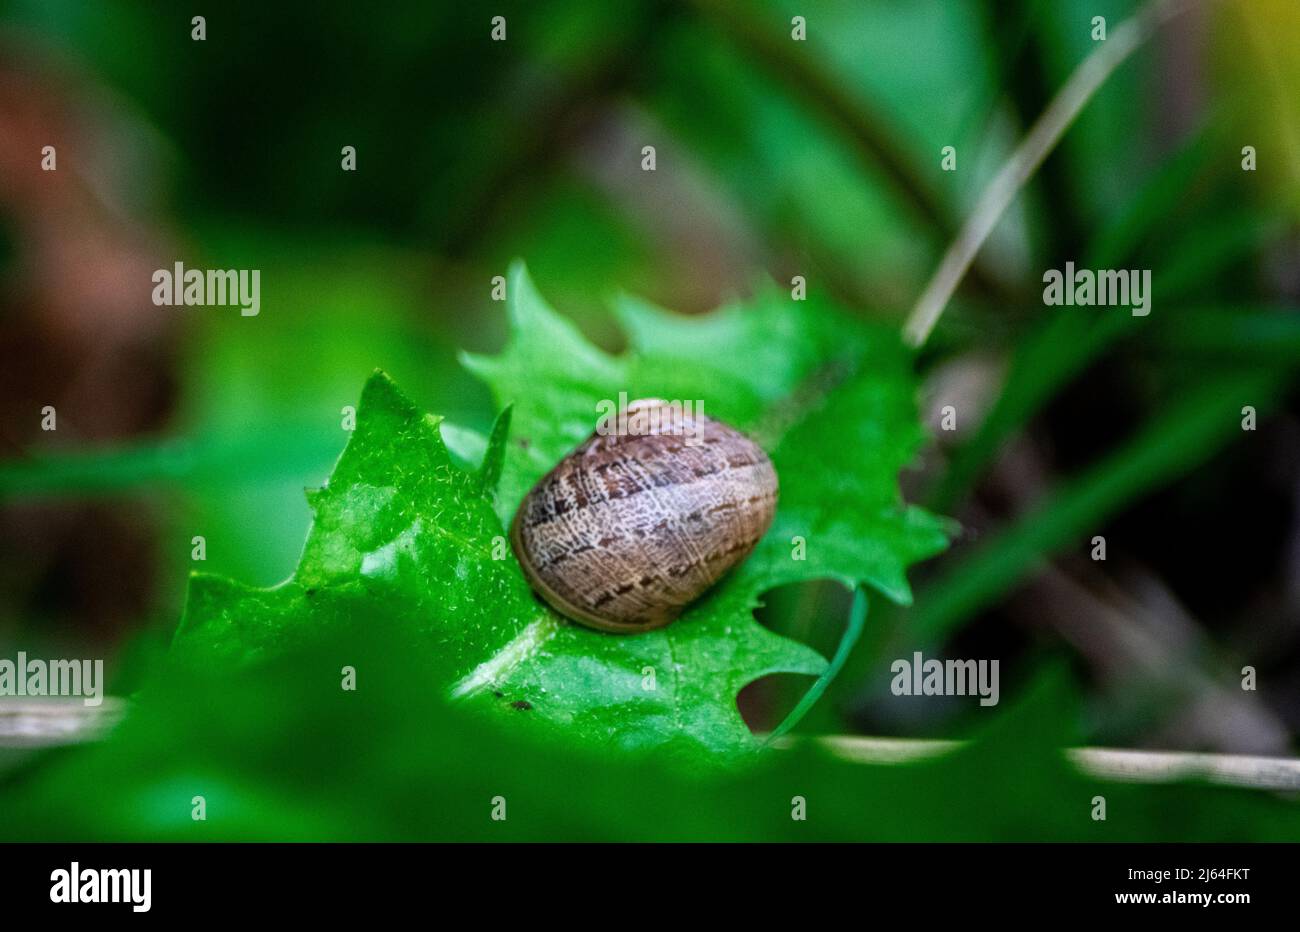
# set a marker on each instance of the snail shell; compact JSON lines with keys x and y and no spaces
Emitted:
{"x":630,"y":528}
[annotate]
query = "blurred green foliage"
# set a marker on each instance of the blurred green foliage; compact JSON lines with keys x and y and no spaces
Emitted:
{"x":279,"y":752}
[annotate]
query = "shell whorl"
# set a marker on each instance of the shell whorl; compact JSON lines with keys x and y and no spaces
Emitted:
{"x":630,"y":528}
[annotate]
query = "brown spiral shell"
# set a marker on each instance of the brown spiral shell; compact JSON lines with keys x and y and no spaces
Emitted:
{"x":632,"y":527}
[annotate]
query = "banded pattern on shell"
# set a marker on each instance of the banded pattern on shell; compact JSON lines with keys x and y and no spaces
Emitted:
{"x":631,"y":528}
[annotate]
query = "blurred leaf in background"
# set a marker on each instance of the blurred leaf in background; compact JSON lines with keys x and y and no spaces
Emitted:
{"x":280,"y":752}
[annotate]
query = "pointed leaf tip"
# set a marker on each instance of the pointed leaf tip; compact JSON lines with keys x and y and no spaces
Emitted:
{"x":381,"y":393}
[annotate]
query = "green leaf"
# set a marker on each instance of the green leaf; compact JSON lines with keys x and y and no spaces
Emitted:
{"x":406,"y":539}
{"x":832,"y":401}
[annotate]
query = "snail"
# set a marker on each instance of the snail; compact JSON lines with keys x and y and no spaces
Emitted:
{"x":634,"y":525}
